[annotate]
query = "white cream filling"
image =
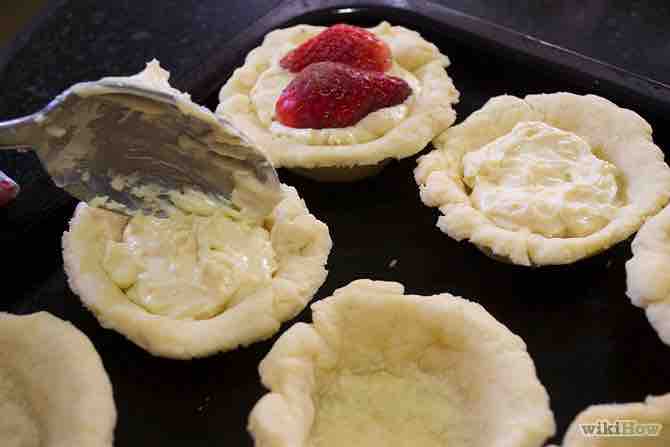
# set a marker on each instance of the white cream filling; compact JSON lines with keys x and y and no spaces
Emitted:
{"x":544,"y":180}
{"x":192,"y":265}
{"x":272,"y":82}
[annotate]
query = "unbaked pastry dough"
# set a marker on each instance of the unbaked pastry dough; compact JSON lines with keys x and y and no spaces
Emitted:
{"x":254,"y":298}
{"x":655,"y":410}
{"x":537,"y":203}
{"x":380,"y":368}
{"x":648,"y":272}
{"x":248,"y":100}
{"x":54,"y":391}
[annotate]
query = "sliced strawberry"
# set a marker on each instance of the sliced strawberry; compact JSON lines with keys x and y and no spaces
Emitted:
{"x":350,"y":45}
{"x":331,"y":95}
{"x":8,"y":189}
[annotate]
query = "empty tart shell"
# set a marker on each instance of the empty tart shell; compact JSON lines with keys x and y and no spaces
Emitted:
{"x":248,"y":99}
{"x":300,"y":244}
{"x":648,"y":272}
{"x":54,"y":391}
{"x":380,"y":368}
{"x":618,"y":136}
{"x":642,"y":424}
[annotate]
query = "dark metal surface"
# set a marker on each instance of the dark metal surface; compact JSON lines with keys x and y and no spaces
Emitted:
{"x":590,"y":345}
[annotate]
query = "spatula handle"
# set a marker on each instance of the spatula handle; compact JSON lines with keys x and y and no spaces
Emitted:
{"x":17,"y":133}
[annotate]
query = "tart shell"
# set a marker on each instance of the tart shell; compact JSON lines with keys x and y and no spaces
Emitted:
{"x":654,"y":410}
{"x":378,"y":368}
{"x":648,"y":272}
{"x":59,"y":392}
{"x":300,"y":241}
{"x":620,"y":136}
{"x":430,"y":114}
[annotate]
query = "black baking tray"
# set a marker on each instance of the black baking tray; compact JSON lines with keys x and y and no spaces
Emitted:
{"x":589,"y":344}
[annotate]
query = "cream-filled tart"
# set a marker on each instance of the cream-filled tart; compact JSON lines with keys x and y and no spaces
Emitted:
{"x":643,"y":424}
{"x":205,"y":279}
{"x":648,"y":272}
{"x":547,"y":179}
{"x":211,"y":276}
{"x":54,"y":391}
{"x":252,"y":98}
{"x":380,"y":368}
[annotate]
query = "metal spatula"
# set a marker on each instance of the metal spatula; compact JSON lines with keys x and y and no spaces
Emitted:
{"x":112,"y":139}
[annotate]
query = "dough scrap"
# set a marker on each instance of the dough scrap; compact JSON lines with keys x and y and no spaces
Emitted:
{"x":301,"y":244}
{"x":648,"y":272}
{"x":54,"y":391}
{"x":380,"y":136}
{"x":655,"y":410}
{"x":380,"y":368}
{"x":617,"y":135}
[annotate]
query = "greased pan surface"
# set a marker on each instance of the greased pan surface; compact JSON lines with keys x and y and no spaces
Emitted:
{"x":590,"y":345}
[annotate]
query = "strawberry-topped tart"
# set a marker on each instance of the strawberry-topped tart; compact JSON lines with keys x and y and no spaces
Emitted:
{"x":336,"y":103}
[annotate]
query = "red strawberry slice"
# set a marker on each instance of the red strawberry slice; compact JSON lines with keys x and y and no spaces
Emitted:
{"x":8,"y":189}
{"x":331,"y":95}
{"x":346,"y":44}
